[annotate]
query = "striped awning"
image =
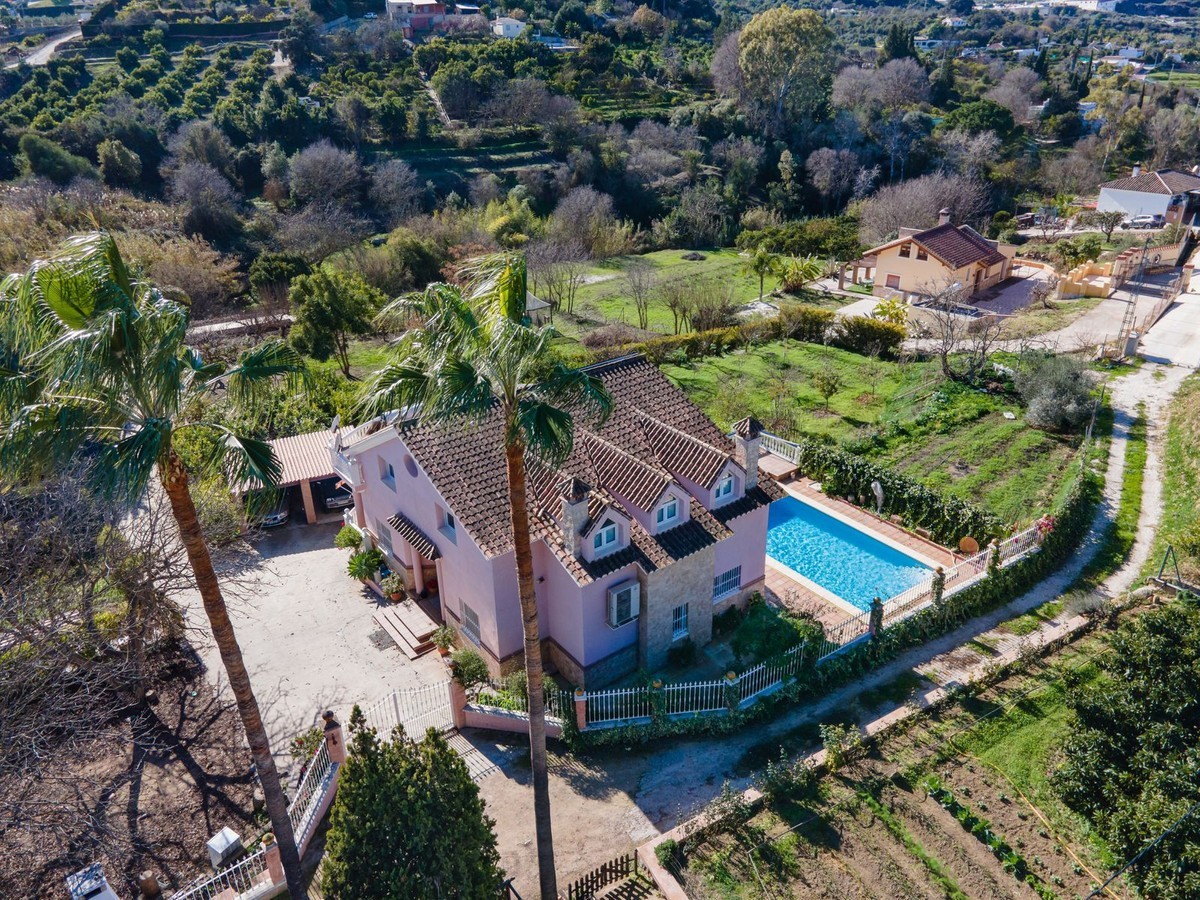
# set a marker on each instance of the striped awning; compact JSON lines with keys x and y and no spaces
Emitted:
{"x":419,"y":540}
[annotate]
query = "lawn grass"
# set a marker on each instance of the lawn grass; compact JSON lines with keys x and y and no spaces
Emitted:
{"x":1176,"y":79}
{"x":1121,"y":532}
{"x":773,"y":382}
{"x":954,"y":439}
{"x":1022,"y":742}
{"x":1035,"y":320}
{"x":1181,"y":483}
{"x":604,"y":298}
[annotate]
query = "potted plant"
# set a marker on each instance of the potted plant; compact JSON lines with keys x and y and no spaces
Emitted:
{"x":443,"y":639}
{"x":363,"y":564}
{"x":393,"y":586}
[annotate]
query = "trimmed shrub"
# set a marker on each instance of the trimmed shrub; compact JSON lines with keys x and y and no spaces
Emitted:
{"x":947,"y":518}
{"x":867,"y":335}
{"x":348,"y":538}
{"x":470,"y":669}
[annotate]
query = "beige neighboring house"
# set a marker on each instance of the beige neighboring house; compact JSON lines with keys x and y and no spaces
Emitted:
{"x":918,"y":263}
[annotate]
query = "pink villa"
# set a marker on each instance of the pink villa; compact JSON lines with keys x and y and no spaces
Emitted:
{"x":656,"y":522}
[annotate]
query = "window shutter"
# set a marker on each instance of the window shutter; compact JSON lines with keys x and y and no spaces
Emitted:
{"x":635,"y":595}
{"x":612,"y":608}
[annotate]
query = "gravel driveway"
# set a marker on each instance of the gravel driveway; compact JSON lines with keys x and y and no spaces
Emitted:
{"x":306,"y":634}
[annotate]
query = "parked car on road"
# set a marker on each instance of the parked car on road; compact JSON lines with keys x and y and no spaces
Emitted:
{"x":1145,"y":221}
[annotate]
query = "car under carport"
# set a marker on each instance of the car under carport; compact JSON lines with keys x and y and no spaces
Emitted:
{"x":308,"y":479}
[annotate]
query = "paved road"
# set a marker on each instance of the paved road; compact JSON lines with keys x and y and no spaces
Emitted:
{"x":42,"y":54}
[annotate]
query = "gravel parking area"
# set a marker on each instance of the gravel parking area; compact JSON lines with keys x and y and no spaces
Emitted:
{"x":307,"y":635}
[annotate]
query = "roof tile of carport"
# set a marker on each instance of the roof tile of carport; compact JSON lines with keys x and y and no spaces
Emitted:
{"x":304,"y":457}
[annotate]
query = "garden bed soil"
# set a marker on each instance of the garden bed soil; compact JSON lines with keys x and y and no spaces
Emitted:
{"x":145,"y":796}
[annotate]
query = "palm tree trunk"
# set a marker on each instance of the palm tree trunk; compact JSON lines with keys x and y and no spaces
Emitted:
{"x":547,"y":880}
{"x":175,"y":483}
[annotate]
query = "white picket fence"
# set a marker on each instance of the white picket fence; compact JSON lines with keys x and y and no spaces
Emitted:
{"x":632,"y":706}
{"x":559,"y":703}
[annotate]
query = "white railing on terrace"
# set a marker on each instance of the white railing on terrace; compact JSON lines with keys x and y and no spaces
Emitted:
{"x":313,"y":785}
{"x":248,"y":878}
{"x":773,"y":443}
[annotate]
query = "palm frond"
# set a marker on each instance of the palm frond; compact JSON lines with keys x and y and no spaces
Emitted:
{"x":125,"y":466}
{"x":497,"y":285}
{"x":246,"y":461}
{"x":546,"y":430}
{"x":395,"y":386}
{"x":257,"y":367}
{"x":584,"y":394}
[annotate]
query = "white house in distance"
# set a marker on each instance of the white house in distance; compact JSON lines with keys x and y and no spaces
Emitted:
{"x":507,"y":27}
{"x":954,"y":22}
{"x":1168,"y":193}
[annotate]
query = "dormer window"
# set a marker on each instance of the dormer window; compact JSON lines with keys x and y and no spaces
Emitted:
{"x":667,"y":513}
{"x":605,"y":537}
{"x":724,"y":488}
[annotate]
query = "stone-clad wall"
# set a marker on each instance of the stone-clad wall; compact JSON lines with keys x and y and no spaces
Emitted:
{"x":686,"y":580}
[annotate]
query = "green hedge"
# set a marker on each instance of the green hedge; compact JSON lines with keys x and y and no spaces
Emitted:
{"x":1071,"y":523}
{"x":858,"y":334}
{"x":947,"y":518}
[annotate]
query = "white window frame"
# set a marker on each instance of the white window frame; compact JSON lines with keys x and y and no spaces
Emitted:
{"x":728,"y":582}
{"x":383,"y":535}
{"x":679,"y":622}
{"x":724,"y":488}
{"x":387,"y":473}
{"x":661,"y":517}
{"x":470,"y":625}
{"x":634,"y":591}
{"x":606,"y":537}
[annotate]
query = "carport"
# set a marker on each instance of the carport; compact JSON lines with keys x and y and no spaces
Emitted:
{"x":308,"y":469}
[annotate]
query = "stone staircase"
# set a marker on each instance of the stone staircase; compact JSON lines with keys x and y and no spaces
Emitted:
{"x":409,"y":626}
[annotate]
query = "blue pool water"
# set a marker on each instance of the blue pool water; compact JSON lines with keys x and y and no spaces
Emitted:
{"x":840,"y":558}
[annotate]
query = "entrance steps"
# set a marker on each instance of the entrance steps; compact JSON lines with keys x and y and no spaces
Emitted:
{"x":409,"y":626}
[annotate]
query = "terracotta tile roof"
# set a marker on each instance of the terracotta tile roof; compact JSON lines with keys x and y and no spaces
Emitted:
{"x":303,"y":457}
{"x":1164,"y":181}
{"x":766,"y":491}
{"x":958,"y":246}
{"x":748,"y":427}
{"x":681,"y":454}
{"x":466,"y":463}
{"x":420,"y":541}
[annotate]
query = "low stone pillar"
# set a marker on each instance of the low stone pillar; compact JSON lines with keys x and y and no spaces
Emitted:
{"x":580,"y":709}
{"x":939,"y":585}
{"x":993,"y":557}
{"x":333,"y":738}
{"x":458,"y":698}
{"x":876,"y":621}
{"x":274,"y":860}
{"x":733,"y":697}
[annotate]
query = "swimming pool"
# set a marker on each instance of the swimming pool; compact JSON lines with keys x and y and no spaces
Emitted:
{"x":837,"y":557}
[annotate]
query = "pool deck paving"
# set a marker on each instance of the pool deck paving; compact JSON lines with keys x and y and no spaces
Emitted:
{"x":786,"y":591}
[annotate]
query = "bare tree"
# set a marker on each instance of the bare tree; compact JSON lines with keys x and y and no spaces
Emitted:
{"x":583,"y":215}
{"x":677,"y":296}
{"x":556,"y":270}
{"x":832,"y":173}
{"x":965,"y":153}
{"x":395,"y":191}
{"x":1043,"y":291}
{"x":321,"y":229}
{"x":323,"y":173}
{"x":712,"y":304}
{"x":639,"y":282}
{"x":1018,"y":90}
{"x":915,"y":203}
{"x":963,"y":339}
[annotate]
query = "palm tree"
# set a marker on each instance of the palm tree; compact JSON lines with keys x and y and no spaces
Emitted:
{"x":94,"y":362}
{"x":470,"y":358}
{"x":762,"y":262}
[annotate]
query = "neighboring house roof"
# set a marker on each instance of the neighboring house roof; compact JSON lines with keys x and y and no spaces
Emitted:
{"x":466,"y":465}
{"x":1164,"y":181}
{"x":954,"y":245}
{"x":418,"y":539}
{"x":506,"y":20}
{"x":958,"y":246}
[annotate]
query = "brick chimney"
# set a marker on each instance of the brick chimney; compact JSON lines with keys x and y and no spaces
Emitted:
{"x":746,"y":436}
{"x":574,"y":495}
{"x":944,"y":215}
